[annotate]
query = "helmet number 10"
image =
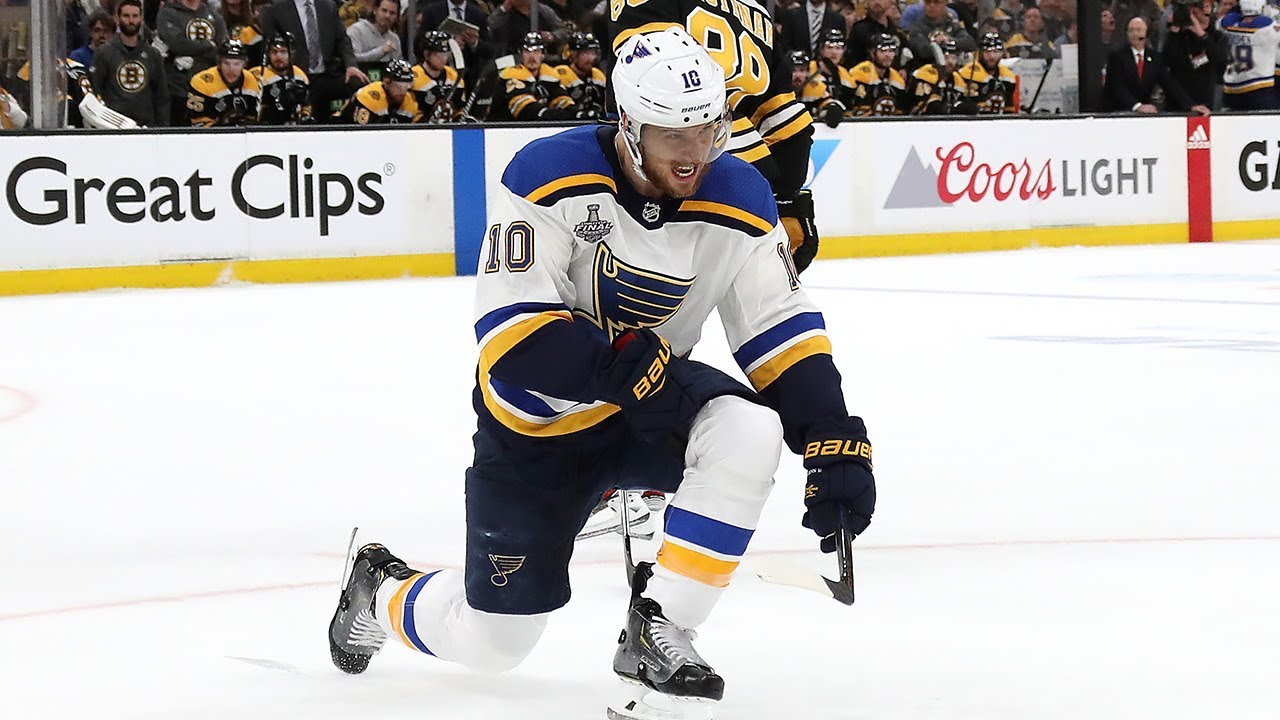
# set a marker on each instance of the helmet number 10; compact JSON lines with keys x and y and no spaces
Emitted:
{"x":691,"y":80}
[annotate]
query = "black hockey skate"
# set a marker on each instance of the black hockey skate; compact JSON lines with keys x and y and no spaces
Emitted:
{"x":667,"y":678}
{"x":354,"y":634}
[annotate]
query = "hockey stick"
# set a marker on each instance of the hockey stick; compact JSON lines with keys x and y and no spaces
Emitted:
{"x":627,"y":560}
{"x":781,"y":572}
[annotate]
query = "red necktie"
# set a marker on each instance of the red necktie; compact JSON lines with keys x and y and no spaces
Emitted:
{"x":1141,"y":63}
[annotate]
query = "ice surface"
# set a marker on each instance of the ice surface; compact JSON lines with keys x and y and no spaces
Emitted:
{"x":1076,"y":453}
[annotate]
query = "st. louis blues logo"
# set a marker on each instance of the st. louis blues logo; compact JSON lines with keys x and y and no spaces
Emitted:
{"x":593,"y":229}
{"x":630,"y":298}
{"x":506,"y":565}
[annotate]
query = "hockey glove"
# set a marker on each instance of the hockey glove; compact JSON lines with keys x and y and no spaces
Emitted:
{"x":796,"y":214}
{"x":832,"y":115}
{"x":640,"y":381}
{"x":840,"y":490}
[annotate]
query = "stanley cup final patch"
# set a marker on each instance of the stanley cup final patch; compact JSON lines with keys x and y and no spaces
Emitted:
{"x":506,"y":565}
{"x":593,"y":229}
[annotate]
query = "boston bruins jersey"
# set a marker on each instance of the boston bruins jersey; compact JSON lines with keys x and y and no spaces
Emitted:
{"x":371,"y":106}
{"x":211,"y":101}
{"x":251,"y":38}
{"x":574,"y":257}
{"x":776,"y":132}
{"x":440,"y":98}
{"x":993,"y":94}
{"x":79,"y":85}
{"x":875,"y":92}
{"x":525,"y":96}
{"x":285,"y":98}
{"x":587,"y":92}
{"x":827,"y":101}
{"x":933,"y":94}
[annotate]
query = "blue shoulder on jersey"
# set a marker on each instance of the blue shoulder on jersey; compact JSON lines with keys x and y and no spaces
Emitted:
{"x":566,"y":164}
{"x":733,"y":194}
{"x":1234,"y":20}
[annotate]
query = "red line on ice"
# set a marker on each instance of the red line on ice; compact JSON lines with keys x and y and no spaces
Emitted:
{"x":26,"y":401}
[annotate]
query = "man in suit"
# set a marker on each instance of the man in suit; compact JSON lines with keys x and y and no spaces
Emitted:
{"x":804,"y":25}
{"x":476,"y":45}
{"x":1133,"y":72}
{"x":323,"y":48}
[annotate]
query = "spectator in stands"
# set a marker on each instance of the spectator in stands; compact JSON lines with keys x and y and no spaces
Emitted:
{"x":993,"y":88}
{"x":191,"y":31}
{"x":934,"y":22}
{"x":77,"y":33}
{"x":1031,"y":42}
{"x":1195,"y":51}
{"x":438,"y":88}
{"x":878,"y":88}
{"x":353,"y":11}
{"x":966,"y":11}
{"x":1109,"y":38}
{"x":286,"y":93}
{"x":386,"y":101}
{"x":1134,"y":72}
{"x":1007,"y":17}
{"x":101,"y":27}
{"x":1057,"y":14}
{"x":224,"y":94}
{"x":321,"y":48}
{"x":244,"y":23}
{"x":509,"y":25}
{"x":376,"y":40}
{"x":1070,"y":36}
{"x":804,"y":26}
{"x":477,"y":47}
{"x":882,"y":19}
{"x":11,"y":113}
{"x":128,"y":74}
{"x":1148,"y":10}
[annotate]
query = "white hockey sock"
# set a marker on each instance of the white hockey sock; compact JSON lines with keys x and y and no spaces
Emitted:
{"x":733,"y":451}
{"x":429,"y":613}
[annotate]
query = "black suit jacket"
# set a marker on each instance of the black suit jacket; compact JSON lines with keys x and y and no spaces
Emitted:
{"x":795,"y":27}
{"x":1124,"y":89}
{"x":338,"y":56}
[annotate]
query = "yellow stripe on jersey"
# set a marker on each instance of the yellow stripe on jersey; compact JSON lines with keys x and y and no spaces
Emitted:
{"x":509,"y":337}
{"x":570,"y":181}
{"x":646,"y":28}
{"x":742,"y":125}
{"x":752,"y":154}
{"x":696,"y":566}
{"x":802,"y":121}
{"x":769,"y":371}
{"x":395,"y":610}
{"x":727,"y":210}
{"x":770,"y":105}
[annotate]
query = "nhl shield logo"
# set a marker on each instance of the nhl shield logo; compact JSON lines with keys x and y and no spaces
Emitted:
{"x":593,"y":229}
{"x":506,"y":565}
{"x":651,"y":212}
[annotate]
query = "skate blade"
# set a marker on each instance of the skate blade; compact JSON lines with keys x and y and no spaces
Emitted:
{"x":349,"y":565}
{"x":638,"y":702}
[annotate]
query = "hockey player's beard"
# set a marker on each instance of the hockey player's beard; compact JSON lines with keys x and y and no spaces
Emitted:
{"x":662,"y":175}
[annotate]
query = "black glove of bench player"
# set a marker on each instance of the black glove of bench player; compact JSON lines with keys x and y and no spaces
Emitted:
{"x":840,"y":489}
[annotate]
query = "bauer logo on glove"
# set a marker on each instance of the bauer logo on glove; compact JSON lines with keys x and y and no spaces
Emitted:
{"x":851,"y":448}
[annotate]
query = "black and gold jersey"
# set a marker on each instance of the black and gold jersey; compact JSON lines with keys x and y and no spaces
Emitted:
{"x":525,"y":96}
{"x":993,"y":94}
{"x":371,"y":106}
{"x":877,"y":92}
{"x":588,"y":91}
{"x":212,"y":101}
{"x":821,"y":90}
{"x":442,"y":97}
{"x":78,"y":85}
{"x":776,"y":131}
{"x":285,"y":97}
{"x":932,"y":93}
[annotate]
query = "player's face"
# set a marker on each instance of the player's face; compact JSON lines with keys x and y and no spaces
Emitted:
{"x":833,"y":51}
{"x":884,"y":57}
{"x":532,"y":59}
{"x":799,"y":76}
{"x":584,"y":60}
{"x":437,"y":60}
{"x":279,"y":58}
{"x":677,"y":159}
{"x":396,"y":91}
{"x":129,"y":20}
{"x":991,"y":58}
{"x":232,"y":69}
{"x":951,"y":61}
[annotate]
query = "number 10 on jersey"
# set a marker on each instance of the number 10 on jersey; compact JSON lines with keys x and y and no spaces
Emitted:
{"x":518,"y":243}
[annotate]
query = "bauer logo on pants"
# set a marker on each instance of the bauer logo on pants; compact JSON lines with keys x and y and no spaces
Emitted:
{"x":506,"y":565}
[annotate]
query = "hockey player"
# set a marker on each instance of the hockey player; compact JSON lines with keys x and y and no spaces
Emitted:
{"x":79,"y":84}
{"x":607,"y":249}
{"x":992,"y":87}
{"x":937,"y":88}
{"x":771,"y":128}
{"x":286,"y":91}
{"x":224,"y":94}
{"x":1252,"y":36}
{"x":531,"y":89}
{"x":437,"y":87}
{"x":878,"y":87}
{"x":839,"y":79}
{"x":580,"y":77}
{"x":811,"y":87}
{"x":386,"y":101}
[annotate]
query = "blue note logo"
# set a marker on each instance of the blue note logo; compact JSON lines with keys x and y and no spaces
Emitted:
{"x":631,"y":298}
{"x":506,"y":565}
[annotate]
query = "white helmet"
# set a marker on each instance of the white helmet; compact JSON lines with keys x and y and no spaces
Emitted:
{"x":1252,"y":7}
{"x":667,"y":79}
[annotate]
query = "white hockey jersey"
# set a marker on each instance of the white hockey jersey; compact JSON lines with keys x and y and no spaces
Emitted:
{"x":573,"y":249}
{"x":1252,"y":53}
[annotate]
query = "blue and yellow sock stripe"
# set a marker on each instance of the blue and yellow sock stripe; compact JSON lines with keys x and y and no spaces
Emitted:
{"x":400,"y":611}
